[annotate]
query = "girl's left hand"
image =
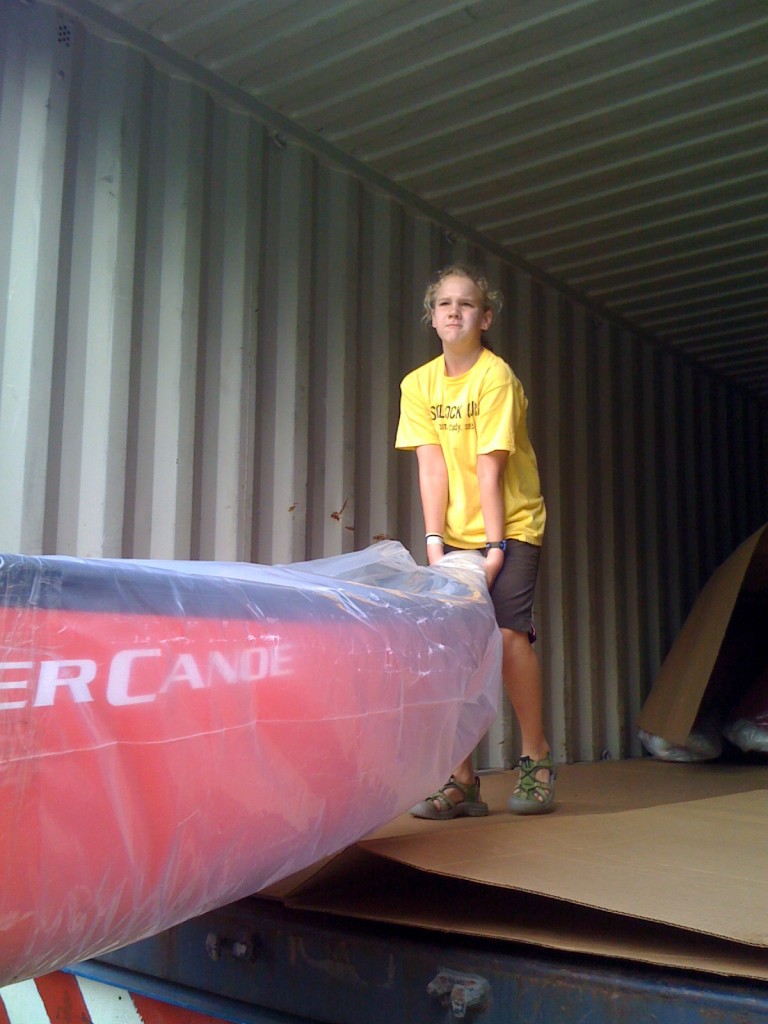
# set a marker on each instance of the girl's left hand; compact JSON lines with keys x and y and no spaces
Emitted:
{"x":494,"y":560}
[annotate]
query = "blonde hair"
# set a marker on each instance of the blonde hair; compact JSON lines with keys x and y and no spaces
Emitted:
{"x":490,"y":299}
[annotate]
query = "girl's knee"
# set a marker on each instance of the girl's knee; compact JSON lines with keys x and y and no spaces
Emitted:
{"x":513,"y":638}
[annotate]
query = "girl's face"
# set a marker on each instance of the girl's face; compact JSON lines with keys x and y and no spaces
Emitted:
{"x":458,"y":315}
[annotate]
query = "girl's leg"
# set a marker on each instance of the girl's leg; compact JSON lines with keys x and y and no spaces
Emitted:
{"x":521,"y":672}
{"x":522,"y":679}
{"x":464,"y":773}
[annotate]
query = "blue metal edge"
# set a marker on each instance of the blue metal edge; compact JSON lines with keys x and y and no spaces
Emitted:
{"x":232,"y":1011}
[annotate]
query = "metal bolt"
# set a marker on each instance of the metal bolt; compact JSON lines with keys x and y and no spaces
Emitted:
{"x":243,"y":948}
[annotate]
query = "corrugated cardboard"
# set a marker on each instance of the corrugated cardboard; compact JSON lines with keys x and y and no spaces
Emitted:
{"x":674,"y":700}
{"x":642,"y":860}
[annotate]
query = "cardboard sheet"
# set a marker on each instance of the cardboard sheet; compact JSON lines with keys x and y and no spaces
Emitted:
{"x":642,"y":860}
{"x":671,"y":707}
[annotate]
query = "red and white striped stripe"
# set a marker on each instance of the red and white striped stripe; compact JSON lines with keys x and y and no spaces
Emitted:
{"x":65,"y":999}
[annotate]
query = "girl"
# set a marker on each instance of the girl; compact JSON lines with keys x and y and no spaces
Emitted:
{"x":464,"y":414}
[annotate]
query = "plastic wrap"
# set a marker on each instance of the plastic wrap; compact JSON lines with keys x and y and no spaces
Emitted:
{"x":175,"y":736}
{"x":734,"y":704}
{"x":703,"y":744}
{"x":747,"y":723}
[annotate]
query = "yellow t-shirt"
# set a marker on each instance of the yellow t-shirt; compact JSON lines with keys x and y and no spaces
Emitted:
{"x":483,"y":410}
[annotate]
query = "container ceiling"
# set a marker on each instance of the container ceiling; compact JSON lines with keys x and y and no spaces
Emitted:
{"x":619,"y":146}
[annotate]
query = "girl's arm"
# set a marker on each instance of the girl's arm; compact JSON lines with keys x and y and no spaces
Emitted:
{"x":490,"y":475}
{"x":433,"y":487}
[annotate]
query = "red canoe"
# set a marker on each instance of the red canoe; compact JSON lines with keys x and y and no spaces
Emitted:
{"x":175,"y":736}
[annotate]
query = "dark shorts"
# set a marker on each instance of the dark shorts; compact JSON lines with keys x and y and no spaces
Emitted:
{"x":514,"y":588}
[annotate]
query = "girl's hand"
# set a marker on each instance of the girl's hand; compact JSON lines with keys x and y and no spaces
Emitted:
{"x":434,"y":553}
{"x":494,"y":560}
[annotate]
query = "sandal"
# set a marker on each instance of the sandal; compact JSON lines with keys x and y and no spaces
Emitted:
{"x":533,"y":795}
{"x":470,"y":804}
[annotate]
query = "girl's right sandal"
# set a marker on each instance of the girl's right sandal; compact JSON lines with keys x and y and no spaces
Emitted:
{"x":533,"y":795}
{"x":438,"y":807}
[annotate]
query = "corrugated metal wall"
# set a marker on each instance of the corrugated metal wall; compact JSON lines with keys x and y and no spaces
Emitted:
{"x":203,"y":330}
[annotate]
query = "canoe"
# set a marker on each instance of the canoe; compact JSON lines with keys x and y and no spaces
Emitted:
{"x":177,"y":735}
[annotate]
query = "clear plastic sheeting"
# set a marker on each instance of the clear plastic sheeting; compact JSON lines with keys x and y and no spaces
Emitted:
{"x":747,"y":724}
{"x":702,"y":745}
{"x":175,"y":736}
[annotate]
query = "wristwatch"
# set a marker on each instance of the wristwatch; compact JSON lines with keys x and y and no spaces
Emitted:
{"x":496,"y":544}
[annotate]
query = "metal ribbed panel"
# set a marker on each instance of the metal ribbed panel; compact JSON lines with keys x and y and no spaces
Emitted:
{"x":619,"y":147}
{"x":204,"y":326}
{"x":34,"y":66}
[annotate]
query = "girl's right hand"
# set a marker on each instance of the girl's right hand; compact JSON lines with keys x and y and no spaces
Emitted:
{"x":434,"y":553}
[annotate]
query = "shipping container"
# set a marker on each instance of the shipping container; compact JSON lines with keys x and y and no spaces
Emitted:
{"x":217,"y":223}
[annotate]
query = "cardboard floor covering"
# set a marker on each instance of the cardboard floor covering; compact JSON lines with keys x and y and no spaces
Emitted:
{"x":643,"y":860}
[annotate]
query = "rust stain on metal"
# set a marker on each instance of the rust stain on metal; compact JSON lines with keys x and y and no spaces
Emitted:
{"x":337,"y":515}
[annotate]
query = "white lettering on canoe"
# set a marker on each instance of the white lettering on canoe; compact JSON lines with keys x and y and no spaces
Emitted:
{"x":136,"y":676}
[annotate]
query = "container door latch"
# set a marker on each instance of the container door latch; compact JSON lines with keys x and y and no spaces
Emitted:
{"x":462,"y":992}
